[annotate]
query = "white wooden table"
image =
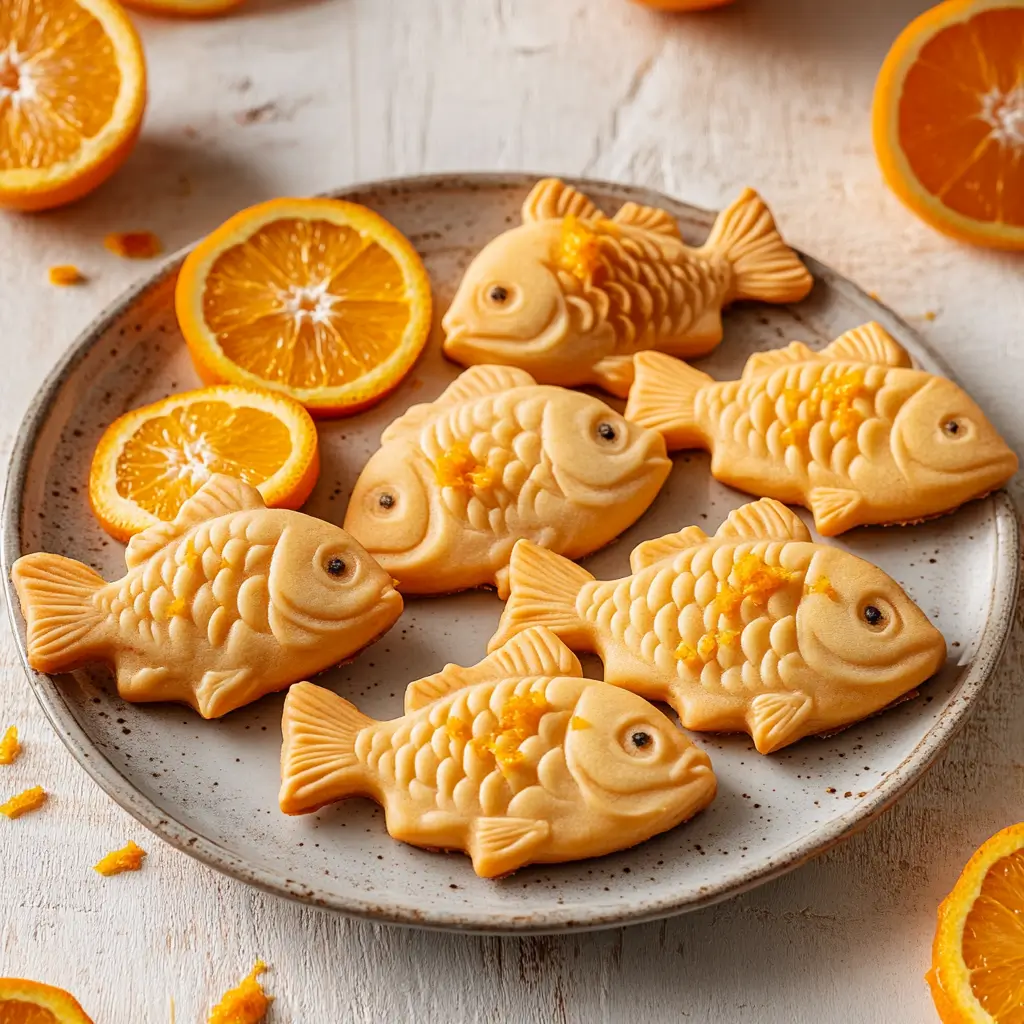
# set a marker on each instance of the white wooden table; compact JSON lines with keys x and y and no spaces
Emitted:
{"x":299,"y":96}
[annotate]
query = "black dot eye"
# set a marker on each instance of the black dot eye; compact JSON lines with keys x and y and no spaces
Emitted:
{"x":953,"y":428}
{"x":606,"y":431}
{"x":641,"y":740}
{"x":335,"y":566}
{"x":498,"y":294}
{"x":872,"y":616}
{"x":386,"y":500}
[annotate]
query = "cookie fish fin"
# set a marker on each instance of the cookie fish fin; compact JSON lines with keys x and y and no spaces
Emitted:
{"x":763,"y":266}
{"x":544,"y":587}
{"x":663,"y":398}
{"x":500,"y":846}
{"x":765,"y":362}
{"x":766,"y":519}
{"x":61,"y":620}
{"x":648,"y":218}
{"x":217,"y":693}
{"x":219,"y":496}
{"x":534,"y":652}
{"x":657,"y":550}
{"x":869,"y":343}
{"x":614,"y":374}
{"x":318,"y":758}
{"x":835,"y":509}
{"x":777,"y":719}
{"x":551,"y":199}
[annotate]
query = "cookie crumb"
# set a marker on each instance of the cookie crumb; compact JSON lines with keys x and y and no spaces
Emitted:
{"x":129,"y":858}
{"x":133,"y":245}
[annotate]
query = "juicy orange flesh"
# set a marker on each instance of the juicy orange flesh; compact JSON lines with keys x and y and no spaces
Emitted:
{"x":993,"y":943}
{"x":961,"y":116}
{"x":15,"y":1011}
{"x":59,"y":81}
{"x":306,"y":303}
{"x":170,"y":457}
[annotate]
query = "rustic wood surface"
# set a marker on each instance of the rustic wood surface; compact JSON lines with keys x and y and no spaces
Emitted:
{"x":298,"y":96}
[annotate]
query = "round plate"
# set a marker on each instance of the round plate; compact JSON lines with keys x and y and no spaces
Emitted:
{"x":210,"y":788}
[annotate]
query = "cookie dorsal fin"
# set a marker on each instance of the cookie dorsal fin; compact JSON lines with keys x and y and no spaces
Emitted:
{"x":869,"y":343}
{"x":551,"y":199}
{"x":657,"y":550}
{"x":219,"y":496}
{"x":766,"y":519}
{"x":765,"y":362}
{"x":647,"y":218}
{"x":534,"y":652}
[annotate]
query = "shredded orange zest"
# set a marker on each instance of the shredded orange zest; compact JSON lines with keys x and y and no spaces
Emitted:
{"x":10,"y":748}
{"x":728,"y":599}
{"x":757,"y":579}
{"x":840,"y":393}
{"x":796,"y":433}
{"x":579,"y":723}
{"x":176,"y":607}
{"x":822,"y":586}
{"x":31,"y":800}
{"x":245,"y":1004}
{"x":129,"y":858}
{"x":707,"y":646}
{"x":460,"y":468}
{"x":133,"y":245}
{"x":459,"y":730}
{"x":65,"y":274}
{"x":688,"y":655}
{"x":580,"y":251}
{"x":520,"y":719}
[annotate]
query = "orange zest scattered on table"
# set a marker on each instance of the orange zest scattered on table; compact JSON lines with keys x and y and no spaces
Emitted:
{"x":10,"y":748}
{"x":65,"y":274}
{"x":133,"y":245}
{"x":129,"y":858}
{"x":31,"y":1002}
{"x":31,"y":800}
{"x":247,"y":1003}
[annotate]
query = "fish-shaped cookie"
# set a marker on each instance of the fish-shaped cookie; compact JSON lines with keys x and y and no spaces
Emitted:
{"x":495,"y":458}
{"x":755,"y":630}
{"x":852,"y":432}
{"x":525,"y":762}
{"x":570,"y":295}
{"x":228,"y":602}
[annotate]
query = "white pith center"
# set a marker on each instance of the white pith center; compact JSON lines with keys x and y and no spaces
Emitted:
{"x":1004,"y":111}
{"x":16,"y":82}
{"x":313,"y":301}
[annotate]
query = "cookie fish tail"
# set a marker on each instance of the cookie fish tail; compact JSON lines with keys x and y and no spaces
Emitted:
{"x":543,"y":590}
{"x":763,"y":266}
{"x":62,"y":622}
{"x":319,"y":764}
{"x":664,"y":398}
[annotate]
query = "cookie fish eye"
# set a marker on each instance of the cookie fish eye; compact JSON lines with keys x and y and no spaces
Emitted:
{"x":874,"y":616}
{"x":640,"y":739}
{"x":386,"y":500}
{"x":607,"y":432}
{"x":954,"y":429}
{"x":335,"y":566}
{"x":498,"y":294}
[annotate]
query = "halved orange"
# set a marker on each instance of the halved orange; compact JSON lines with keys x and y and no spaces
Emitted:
{"x":977,"y":974}
{"x":319,"y":299}
{"x":949,"y":120}
{"x":185,"y":8}
{"x":72,"y":93}
{"x":153,"y":459}
{"x":31,"y":1002}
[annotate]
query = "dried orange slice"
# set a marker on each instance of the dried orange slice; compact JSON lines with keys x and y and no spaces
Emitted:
{"x":185,"y":8}
{"x":30,"y":1002}
{"x":72,"y":93}
{"x":317,"y":298}
{"x":977,"y":974}
{"x":949,"y":120}
{"x":152,"y":460}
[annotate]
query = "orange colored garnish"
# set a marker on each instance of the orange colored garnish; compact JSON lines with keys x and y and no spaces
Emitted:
{"x":949,"y":120}
{"x":320,"y":299}
{"x":520,"y":719}
{"x":10,"y":748}
{"x":683,"y":5}
{"x":151,"y":460}
{"x":245,"y":1004}
{"x":129,"y":858}
{"x":31,"y":800}
{"x":185,"y":8}
{"x":977,"y":974}
{"x":822,"y":585}
{"x":576,"y":723}
{"x":580,"y":249}
{"x":458,"y":467}
{"x":133,"y":245}
{"x":72,"y":92}
{"x":31,"y":1002}
{"x":65,"y":274}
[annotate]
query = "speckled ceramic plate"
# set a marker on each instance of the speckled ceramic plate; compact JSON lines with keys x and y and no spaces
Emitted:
{"x":210,"y":788}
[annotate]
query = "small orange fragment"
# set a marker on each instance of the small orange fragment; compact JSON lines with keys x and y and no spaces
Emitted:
{"x":245,"y":1004}
{"x":133,"y":245}
{"x":65,"y":274}
{"x":10,"y":748}
{"x":31,"y":800}
{"x":129,"y":858}
{"x":31,"y":1002}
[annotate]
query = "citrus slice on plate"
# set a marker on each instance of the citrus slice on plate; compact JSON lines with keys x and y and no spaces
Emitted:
{"x":977,"y":974}
{"x":30,"y":1002}
{"x":949,"y":120}
{"x":184,"y":8}
{"x":152,"y":460}
{"x":320,"y":299}
{"x":72,"y":93}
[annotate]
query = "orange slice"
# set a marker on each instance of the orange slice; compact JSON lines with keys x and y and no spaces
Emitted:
{"x":30,"y":1002}
{"x":185,"y":8}
{"x":683,"y":5}
{"x":977,"y":974}
{"x":72,"y":93}
{"x":320,"y":299}
{"x":949,"y":120}
{"x":153,"y":459}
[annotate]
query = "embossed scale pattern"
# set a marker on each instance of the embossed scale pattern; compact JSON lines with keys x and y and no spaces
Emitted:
{"x":675,"y":602}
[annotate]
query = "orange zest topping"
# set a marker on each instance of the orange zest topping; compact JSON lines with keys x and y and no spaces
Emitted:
{"x":176,"y":607}
{"x":65,"y":274}
{"x":10,"y":748}
{"x":459,"y":730}
{"x":579,"y":249}
{"x":133,"y":245}
{"x":758,"y":580}
{"x":707,"y":647}
{"x":247,"y":1003}
{"x":31,"y":800}
{"x":520,"y":719}
{"x":458,"y":467}
{"x":30,"y":1002}
{"x":129,"y":858}
{"x":579,"y":723}
{"x":822,"y":586}
{"x":687,"y":654}
{"x":832,"y":400}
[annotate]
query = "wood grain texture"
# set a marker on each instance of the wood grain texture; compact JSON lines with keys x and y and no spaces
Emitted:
{"x":297,"y":96}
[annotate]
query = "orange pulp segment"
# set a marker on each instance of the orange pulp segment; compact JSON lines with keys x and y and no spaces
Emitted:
{"x":949,"y":120}
{"x":31,"y":1002}
{"x":152,"y":460}
{"x":320,"y":299}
